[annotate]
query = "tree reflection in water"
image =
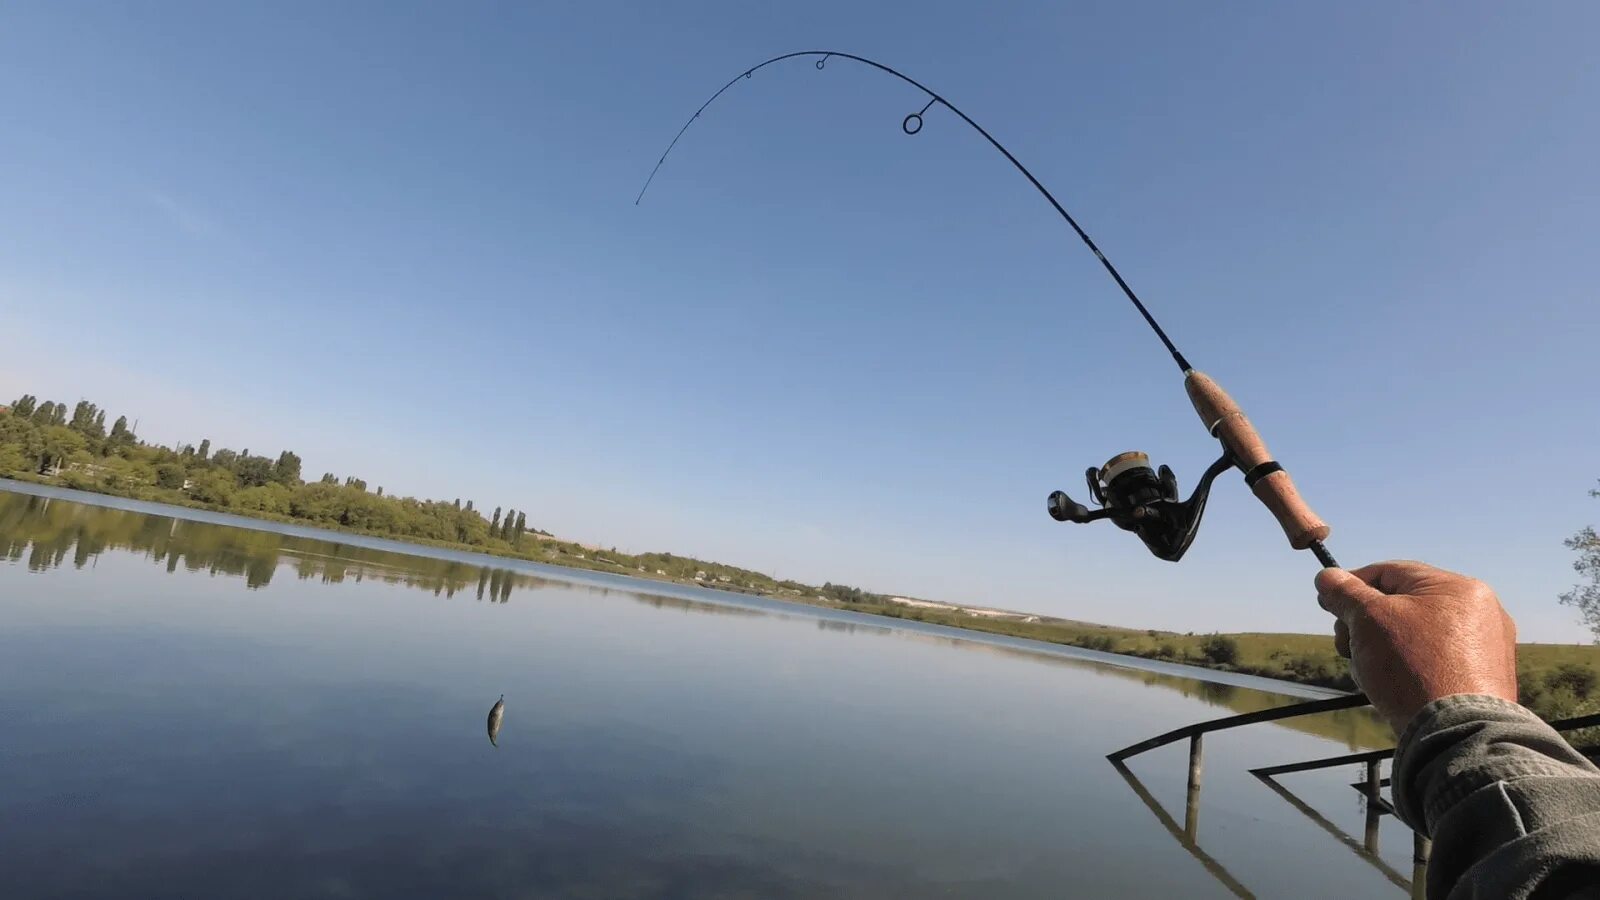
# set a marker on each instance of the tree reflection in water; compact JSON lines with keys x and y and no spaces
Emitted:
{"x":48,"y":533}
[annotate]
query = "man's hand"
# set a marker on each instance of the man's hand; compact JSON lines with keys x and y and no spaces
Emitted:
{"x":1414,"y":634}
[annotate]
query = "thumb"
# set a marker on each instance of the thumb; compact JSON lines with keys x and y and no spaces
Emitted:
{"x":1341,"y":593}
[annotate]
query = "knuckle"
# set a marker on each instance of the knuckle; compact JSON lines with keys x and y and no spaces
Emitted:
{"x":1482,"y":592}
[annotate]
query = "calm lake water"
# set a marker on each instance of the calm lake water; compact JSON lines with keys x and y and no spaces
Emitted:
{"x":196,"y":709}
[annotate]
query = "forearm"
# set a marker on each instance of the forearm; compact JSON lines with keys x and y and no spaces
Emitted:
{"x":1513,"y":810}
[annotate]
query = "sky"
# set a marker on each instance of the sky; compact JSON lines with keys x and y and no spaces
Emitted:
{"x":401,"y":240}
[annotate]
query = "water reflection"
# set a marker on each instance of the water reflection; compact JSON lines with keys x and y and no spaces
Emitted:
{"x":683,"y":604}
{"x":846,"y":627}
{"x":47,"y":532}
{"x":1367,"y":849}
{"x":697,"y":744}
{"x":1186,"y":836}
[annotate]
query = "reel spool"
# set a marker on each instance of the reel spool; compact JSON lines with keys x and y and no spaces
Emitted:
{"x":1142,"y":500}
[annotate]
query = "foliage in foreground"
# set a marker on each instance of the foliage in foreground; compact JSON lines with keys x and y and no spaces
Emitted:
{"x":1586,"y":594}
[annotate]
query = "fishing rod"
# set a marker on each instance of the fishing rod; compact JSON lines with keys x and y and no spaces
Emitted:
{"x":1129,"y":492}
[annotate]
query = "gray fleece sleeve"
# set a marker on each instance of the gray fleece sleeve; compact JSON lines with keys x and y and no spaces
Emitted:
{"x":1513,"y":810}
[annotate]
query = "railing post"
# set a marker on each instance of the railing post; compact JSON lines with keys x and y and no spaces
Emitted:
{"x":1191,"y":806}
{"x":1421,"y":848}
{"x":1372,"y":806}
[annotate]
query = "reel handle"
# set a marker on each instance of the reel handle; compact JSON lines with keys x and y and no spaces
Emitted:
{"x":1267,"y":480}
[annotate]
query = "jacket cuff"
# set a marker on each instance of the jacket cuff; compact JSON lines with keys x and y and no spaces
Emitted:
{"x":1448,"y":751}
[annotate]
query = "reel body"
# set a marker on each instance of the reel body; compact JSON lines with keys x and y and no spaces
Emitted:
{"x":1142,"y":500}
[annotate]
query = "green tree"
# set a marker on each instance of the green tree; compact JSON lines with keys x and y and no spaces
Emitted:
{"x":45,"y":413}
{"x":329,"y":478}
{"x":205,"y":449}
{"x":22,"y":435}
{"x":505,"y":529}
{"x":60,"y":444}
{"x":1577,"y":678}
{"x":320,"y":502}
{"x":170,"y":476}
{"x":82,"y":416}
{"x":522,"y":526}
{"x":494,"y":523}
{"x":123,"y":475}
{"x":214,"y":486}
{"x":1220,"y":649}
{"x":12,"y":459}
{"x":119,"y":430}
{"x":253,"y":471}
{"x":286,"y":470}
{"x":272,"y":497}
{"x":1586,"y":595}
{"x":24,"y":406}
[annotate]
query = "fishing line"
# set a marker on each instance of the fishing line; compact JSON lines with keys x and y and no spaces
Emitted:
{"x":1132,"y":494}
{"x":911,"y":125}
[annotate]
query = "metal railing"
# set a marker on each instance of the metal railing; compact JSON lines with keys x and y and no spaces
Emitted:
{"x":1370,"y":786}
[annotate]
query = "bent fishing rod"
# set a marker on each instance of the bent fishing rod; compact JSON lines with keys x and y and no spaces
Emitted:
{"x":1129,"y":492}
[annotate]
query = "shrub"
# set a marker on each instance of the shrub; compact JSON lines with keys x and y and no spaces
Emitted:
{"x":270,"y":498}
{"x":215,"y":486}
{"x":1220,"y":649}
{"x":1306,"y":668}
{"x":1576,"y":678}
{"x":1167,"y":650}
{"x":1098,"y":642}
{"x":1557,"y":704}
{"x":77,"y":480}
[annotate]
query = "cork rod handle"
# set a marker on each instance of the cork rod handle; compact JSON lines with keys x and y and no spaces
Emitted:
{"x":1270,"y":483}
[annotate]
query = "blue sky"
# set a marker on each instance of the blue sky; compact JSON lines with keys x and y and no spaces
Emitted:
{"x":401,"y":240}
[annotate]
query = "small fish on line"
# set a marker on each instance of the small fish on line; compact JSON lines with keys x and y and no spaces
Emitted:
{"x":496,"y":714}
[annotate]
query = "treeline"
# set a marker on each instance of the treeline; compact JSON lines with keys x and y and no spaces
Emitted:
{"x":41,"y":442}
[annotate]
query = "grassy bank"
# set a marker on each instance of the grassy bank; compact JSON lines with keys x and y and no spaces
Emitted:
{"x":1556,"y":680}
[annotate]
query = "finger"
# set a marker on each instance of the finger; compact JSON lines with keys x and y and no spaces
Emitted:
{"x":1344,"y":594}
{"x":1341,"y":638}
{"x":1397,"y":576}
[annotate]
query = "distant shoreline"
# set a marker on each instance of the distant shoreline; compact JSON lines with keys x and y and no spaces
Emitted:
{"x":1302,"y":661}
{"x":669,"y":587}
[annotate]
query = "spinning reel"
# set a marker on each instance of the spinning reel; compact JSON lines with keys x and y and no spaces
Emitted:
{"x":1144,"y":501}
